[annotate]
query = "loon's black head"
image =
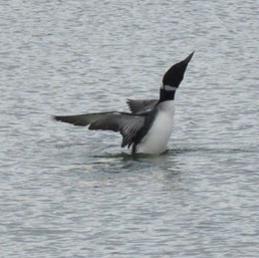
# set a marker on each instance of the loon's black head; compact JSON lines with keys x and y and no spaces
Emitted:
{"x":175,"y":74}
{"x":173,"y":78}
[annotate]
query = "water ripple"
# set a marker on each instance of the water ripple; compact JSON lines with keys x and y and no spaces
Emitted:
{"x":69,"y":192}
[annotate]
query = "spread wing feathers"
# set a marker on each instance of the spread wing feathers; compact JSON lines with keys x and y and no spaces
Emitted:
{"x":125,"y":123}
{"x":141,"y":105}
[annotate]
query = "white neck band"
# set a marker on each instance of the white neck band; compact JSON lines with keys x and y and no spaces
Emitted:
{"x":168,"y":87}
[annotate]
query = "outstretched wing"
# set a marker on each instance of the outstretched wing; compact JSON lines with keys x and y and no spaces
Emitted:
{"x":125,"y":123}
{"x":141,"y":105}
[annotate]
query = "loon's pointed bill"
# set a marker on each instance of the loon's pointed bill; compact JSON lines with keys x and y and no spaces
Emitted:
{"x":148,"y":128}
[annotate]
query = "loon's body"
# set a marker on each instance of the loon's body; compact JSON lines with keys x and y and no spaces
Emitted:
{"x":157,"y":137}
{"x":148,"y":128}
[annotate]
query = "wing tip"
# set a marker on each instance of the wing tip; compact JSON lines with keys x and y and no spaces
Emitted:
{"x":66,"y":119}
{"x":57,"y":118}
{"x":131,"y":105}
{"x":128,"y":101}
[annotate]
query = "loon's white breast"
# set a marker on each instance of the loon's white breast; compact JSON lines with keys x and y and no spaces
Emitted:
{"x":156,"y":139}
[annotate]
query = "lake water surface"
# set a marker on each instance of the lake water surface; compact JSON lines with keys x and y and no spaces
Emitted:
{"x":69,"y":192}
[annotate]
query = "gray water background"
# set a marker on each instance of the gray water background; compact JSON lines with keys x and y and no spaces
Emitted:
{"x":69,"y":192}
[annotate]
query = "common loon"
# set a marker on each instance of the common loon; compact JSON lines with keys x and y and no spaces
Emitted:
{"x":148,"y":128}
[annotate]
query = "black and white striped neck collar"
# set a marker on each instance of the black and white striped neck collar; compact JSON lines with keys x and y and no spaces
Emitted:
{"x":167,"y":92}
{"x":169,"y":88}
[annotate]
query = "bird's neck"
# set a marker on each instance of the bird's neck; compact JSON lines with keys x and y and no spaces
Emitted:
{"x":167,"y":93}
